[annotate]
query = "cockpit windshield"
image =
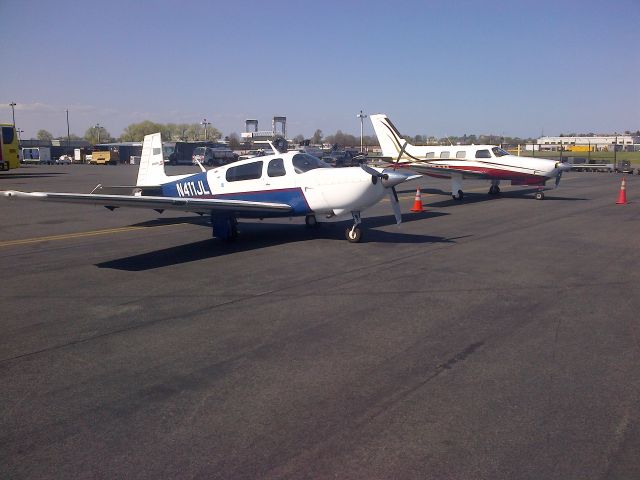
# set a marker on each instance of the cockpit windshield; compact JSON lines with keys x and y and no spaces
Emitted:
{"x":303,"y":162}
{"x":498,"y":152}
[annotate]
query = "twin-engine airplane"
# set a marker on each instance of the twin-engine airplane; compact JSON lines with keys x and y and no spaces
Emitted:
{"x":279,"y":185}
{"x":457,"y":162}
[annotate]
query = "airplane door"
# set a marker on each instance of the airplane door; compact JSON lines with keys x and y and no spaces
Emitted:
{"x":276,"y":177}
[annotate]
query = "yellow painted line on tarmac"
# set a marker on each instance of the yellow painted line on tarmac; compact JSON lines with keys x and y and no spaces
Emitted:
{"x":68,"y":236}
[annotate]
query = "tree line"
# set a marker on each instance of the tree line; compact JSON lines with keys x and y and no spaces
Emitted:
{"x":136,"y":131}
{"x":196,"y":132}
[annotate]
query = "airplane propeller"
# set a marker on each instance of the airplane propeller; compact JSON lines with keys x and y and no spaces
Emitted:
{"x":562,"y":167}
{"x":389,"y":179}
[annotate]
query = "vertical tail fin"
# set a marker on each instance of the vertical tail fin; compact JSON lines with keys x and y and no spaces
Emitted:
{"x":388,"y":135}
{"x":151,"y":170}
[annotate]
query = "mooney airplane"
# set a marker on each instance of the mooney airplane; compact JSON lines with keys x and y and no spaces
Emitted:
{"x":457,"y":162}
{"x":279,"y":185}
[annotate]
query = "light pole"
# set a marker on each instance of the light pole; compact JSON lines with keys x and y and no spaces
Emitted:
{"x":205,"y":123}
{"x":361,"y":116}
{"x":13,"y":113}
{"x":68,"y":134}
{"x":615,"y":154}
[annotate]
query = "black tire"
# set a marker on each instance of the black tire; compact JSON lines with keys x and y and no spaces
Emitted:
{"x":311,"y":221}
{"x":458,"y":197}
{"x":539,"y":195}
{"x":353,"y":235}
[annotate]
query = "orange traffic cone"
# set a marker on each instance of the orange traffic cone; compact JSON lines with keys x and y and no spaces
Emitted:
{"x":417,"y":203}
{"x":622,"y":196}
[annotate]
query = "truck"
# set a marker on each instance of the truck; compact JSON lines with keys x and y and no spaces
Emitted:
{"x":579,"y":164}
{"x":104,"y":155}
{"x":37,"y":155}
{"x":181,"y":153}
{"x":624,"y":166}
{"x":213,"y":156}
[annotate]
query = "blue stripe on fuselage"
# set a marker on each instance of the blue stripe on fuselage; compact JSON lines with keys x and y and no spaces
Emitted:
{"x":290,"y":196}
{"x":196,"y":186}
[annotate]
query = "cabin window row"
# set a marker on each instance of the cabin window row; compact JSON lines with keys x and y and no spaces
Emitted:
{"x":275,"y":168}
{"x":462,"y":154}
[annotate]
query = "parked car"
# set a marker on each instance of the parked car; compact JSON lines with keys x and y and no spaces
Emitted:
{"x":343,"y":159}
{"x":213,"y":156}
{"x":64,"y":160}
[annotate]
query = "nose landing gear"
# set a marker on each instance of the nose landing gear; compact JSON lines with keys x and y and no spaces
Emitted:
{"x":354,"y":234}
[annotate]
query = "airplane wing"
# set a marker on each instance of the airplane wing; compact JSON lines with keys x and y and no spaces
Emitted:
{"x":196,"y":205}
{"x":426,"y":168}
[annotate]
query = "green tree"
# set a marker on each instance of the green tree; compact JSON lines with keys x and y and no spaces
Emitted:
{"x":44,"y":135}
{"x":195,"y":132}
{"x":137,"y":131}
{"x":97,"y":135}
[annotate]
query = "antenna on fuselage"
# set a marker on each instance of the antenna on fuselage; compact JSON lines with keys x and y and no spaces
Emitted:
{"x":200,"y":165}
{"x":275,"y":150}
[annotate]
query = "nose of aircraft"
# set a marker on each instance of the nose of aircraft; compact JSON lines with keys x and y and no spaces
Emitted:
{"x":390,"y":177}
{"x":563,"y":166}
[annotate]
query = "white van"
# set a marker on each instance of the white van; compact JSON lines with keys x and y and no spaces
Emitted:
{"x":36,"y":155}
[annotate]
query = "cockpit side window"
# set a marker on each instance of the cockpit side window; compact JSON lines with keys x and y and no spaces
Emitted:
{"x":247,"y":171}
{"x":498,"y":152}
{"x":303,"y":162}
{"x":483,"y":154}
{"x":276,"y":168}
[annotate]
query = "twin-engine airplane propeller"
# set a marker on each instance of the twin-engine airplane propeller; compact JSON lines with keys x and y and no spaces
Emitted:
{"x":457,"y":162}
{"x":280,"y":185}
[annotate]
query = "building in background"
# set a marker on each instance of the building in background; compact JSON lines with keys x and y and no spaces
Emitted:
{"x":600,"y":143}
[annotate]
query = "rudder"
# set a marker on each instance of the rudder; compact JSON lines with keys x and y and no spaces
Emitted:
{"x":151,"y":172}
{"x":391,"y":142}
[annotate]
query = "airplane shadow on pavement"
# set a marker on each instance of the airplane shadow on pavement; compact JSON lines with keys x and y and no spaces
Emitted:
{"x":13,"y":176}
{"x":470,"y":198}
{"x":257,"y":235}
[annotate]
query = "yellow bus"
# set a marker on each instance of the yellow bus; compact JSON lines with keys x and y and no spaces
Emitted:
{"x":9,"y":157}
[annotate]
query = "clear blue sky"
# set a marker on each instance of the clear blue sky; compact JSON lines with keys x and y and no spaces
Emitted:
{"x":435,"y":67}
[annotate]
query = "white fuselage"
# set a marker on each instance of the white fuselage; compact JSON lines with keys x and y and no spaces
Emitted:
{"x":300,"y":180}
{"x":473,"y":161}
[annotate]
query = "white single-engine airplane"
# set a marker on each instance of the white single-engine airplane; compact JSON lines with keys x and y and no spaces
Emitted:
{"x":457,"y":162}
{"x":279,"y":185}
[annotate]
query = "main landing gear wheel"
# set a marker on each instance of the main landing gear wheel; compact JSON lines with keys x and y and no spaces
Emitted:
{"x":311,"y":221}
{"x":232,"y":231}
{"x":459,"y":196}
{"x":494,"y":190}
{"x":353,"y":234}
{"x":539,"y":195}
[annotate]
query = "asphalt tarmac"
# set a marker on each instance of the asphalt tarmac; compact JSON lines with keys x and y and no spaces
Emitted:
{"x":497,"y":338}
